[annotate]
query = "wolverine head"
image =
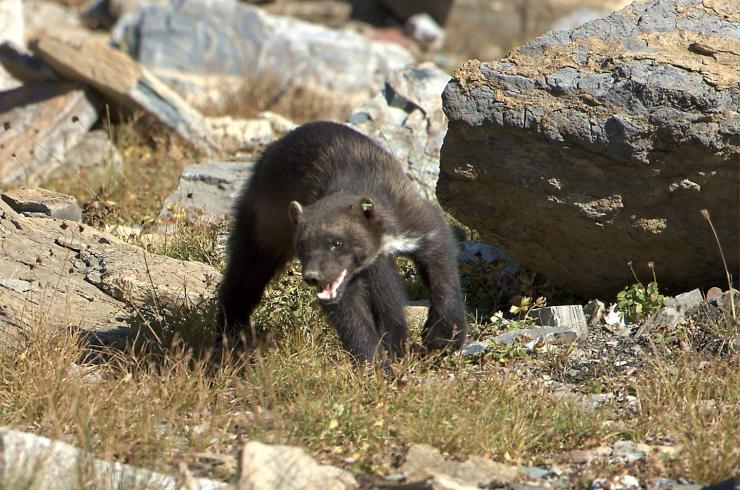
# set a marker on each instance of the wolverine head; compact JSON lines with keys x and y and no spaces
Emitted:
{"x":335,"y":238}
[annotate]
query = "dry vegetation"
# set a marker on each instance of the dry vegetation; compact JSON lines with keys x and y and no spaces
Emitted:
{"x":163,"y":399}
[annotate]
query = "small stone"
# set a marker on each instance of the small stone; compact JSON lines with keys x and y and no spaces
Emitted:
{"x":579,"y":456}
{"x":628,"y":451}
{"x":35,"y":202}
{"x":474,"y":348}
{"x":728,"y":298}
{"x":684,"y":301}
{"x":626,"y":481}
{"x":602,"y":451}
{"x":560,"y":316}
{"x":533,"y":337}
{"x":713,"y":294}
{"x":423,"y":29}
{"x":275,"y":466}
{"x":536,"y":472}
{"x":17,"y":285}
{"x":666,"y":318}
{"x":594,"y":311}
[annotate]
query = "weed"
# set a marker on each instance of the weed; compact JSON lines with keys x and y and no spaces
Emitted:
{"x":639,"y":301}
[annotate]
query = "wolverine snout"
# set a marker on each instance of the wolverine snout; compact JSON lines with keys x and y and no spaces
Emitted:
{"x":311,"y":277}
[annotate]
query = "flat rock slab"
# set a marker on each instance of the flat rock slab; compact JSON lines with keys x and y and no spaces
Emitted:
{"x":122,"y":80}
{"x":56,"y":273}
{"x":37,"y":202}
{"x":587,"y":149}
{"x":206,"y":192}
{"x":230,"y":39}
{"x":39,"y":124}
{"x":31,"y":461}
{"x":266,"y":467}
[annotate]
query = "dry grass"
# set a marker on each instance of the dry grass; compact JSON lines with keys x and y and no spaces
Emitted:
{"x":695,"y":403}
{"x":298,"y":103}
{"x":134,"y":196}
{"x":160,"y":403}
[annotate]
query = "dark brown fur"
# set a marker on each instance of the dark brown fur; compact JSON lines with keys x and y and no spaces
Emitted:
{"x":353,"y":193}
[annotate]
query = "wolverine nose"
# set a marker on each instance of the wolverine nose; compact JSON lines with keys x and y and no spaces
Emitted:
{"x":311,"y":278}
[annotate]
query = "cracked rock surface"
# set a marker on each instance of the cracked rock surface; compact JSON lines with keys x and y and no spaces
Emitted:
{"x":56,"y":273}
{"x":585,"y":149}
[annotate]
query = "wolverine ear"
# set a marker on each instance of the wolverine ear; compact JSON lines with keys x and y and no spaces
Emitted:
{"x":295,"y":211}
{"x":367,"y":207}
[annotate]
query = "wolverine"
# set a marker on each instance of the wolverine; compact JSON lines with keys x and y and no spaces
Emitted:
{"x":342,"y":205}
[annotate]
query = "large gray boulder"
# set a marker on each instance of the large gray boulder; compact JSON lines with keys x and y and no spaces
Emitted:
{"x":583,"y":150}
{"x":192,"y":44}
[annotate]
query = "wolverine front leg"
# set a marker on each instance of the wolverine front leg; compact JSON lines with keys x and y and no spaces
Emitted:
{"x":437,"y":263}
{"x":352,"y":317}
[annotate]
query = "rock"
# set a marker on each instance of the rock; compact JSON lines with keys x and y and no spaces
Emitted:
{"x":423,"y":462}
{"x":562,"y":316}
{"x":39,"y":124}
{"x":123,"y":81}
{"x":406,"y":118}
{"x":714,"y":294}
{"x":424,"y":30}
{"x":728,"y":299}
{"x":665,"y":319}
{"x":578,"y":456}
{"x":95,"y":160}
{"x":594,"y":311}
{"x":76,"y":275}
{"x":36,"y":202}
{"x":403,"y":9}
{"x":241,"y":135}
{"x":47,"y":17}
{"x":472,"y":349}
{"x":28,"y":460}
{"x":685,"y":301}
{"x":16,"y":285}
{"x":264,"y":467}
{"x":575,"y":134}
{"x":206,"y":192}
{"x":226,"y":38}
{"x":24,"y":66}
{"x":12,"y":30}
{"x":618,"y":482}
{"x":629,"y":452}
{"x":534,"y":337}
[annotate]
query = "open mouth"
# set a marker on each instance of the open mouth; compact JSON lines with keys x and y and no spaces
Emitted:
{"x":330,"y":290}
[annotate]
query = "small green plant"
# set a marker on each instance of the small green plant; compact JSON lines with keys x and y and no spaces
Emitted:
{"x":638,"y":301}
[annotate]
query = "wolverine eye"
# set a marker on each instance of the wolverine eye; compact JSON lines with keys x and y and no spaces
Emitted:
{"x":336,"y":244}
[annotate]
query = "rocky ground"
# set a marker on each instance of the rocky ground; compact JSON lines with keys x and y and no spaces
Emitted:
{"x":106,"y":296}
